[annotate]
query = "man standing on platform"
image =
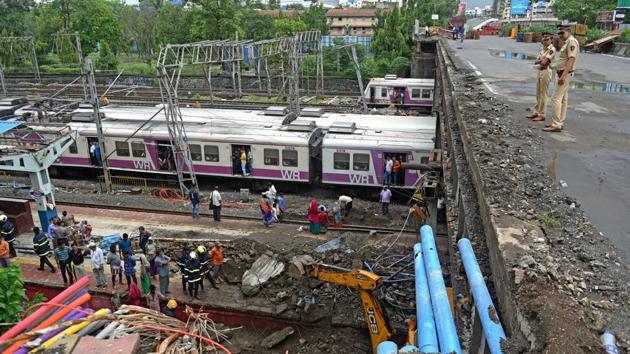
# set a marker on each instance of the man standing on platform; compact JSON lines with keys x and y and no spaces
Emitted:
{"x":215,"y":203}
{"x":98,"y":265}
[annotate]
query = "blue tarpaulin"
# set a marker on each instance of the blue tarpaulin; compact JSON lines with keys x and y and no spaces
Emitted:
{"x":7,"y":125}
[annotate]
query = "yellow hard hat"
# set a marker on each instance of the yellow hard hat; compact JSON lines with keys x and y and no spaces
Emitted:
{"x":171,"y":304}
{"x":201,"y":249}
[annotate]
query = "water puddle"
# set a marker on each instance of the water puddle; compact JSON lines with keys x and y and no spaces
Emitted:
{"x":610,"y":87}
{"x":508,"y":54}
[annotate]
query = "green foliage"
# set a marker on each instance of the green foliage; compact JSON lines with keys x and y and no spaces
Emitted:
{"x":594,"y":34}
{"x":540,"y":29}
{"x":548,"y":219}
{"x":15,"y":17}
{"x":12,"y":295}
{"x":624,"y":37}
{"x":582,"y":11}
{"x":140,"y":69}
{"x":172,"y":25}
{"x":289,"y":25}
{"x":106,"y":59}
{"x":256,"y":26}
{"x":315,"y":19}
{"x":215,"y":19}
{"x":506,"y":27}
{"x":390,"y":40}
{"x":48,"y":69}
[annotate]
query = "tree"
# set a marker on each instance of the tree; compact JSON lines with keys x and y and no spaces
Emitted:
{"x":216,"y":19}
{"x":257,"y":26}
{"x":96,"y":22}
{"x":582,"y":11}
{"x":288,"y":25}
{"x":12,"y":295}
{"x":13,"y":17}
{"x":391,"y":40}
{"x":315,"y":19}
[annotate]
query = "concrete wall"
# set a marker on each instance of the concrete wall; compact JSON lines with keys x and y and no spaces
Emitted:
{"x":621,"y":49}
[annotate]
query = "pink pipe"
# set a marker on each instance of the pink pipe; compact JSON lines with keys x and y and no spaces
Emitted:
{"x":59,"y":299}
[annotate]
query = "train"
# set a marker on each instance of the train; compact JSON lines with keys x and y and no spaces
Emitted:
{"x":324,"y":148}
{"x":400,"y":92}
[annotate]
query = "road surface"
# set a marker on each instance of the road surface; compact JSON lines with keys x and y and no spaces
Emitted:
{"x":592,"y":154}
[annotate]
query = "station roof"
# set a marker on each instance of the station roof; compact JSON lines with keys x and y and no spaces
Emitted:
{"x":7,"y":125}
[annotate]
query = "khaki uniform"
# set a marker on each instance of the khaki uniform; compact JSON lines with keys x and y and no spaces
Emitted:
{"x":544,"y":76}
{"x":560,"y":97}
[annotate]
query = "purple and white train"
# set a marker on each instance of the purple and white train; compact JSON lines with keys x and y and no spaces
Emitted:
{"x":329,"y":148}
{"x":400,"y":92}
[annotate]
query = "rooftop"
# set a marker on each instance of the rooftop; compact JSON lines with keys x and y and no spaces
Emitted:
{"x":352,"y":12}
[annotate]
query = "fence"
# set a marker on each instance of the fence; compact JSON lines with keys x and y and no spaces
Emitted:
{"x":141,"y":184}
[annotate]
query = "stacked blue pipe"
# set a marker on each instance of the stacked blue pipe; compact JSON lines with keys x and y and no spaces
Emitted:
{"x":483,"y":302}
{"x":426,"y":339}
{"x":387,"y":347}
{"x":446,"y":331}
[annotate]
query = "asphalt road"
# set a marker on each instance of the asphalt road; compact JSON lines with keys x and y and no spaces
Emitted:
{"x":592,"y":154}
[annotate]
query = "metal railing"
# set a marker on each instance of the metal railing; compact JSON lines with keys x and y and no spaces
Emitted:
{"x":131,"y":183}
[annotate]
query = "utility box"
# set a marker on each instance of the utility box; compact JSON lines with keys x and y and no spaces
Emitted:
{"x":244,"y":194}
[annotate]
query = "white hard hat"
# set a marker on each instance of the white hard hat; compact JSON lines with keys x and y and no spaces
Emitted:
{"x":91,"y":244}
{"x":193,"y":255}
{"x":3,"y":218}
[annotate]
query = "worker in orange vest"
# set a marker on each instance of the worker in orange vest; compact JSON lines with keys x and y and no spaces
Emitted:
{"x":217,"y":262}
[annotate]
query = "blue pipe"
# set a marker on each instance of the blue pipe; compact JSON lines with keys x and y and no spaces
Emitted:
{"x":410,"y":349}
{"x":387,"y":347}
{"x":426,"y":338}
{"x":483,"y":302}
{"x":446,"y":331}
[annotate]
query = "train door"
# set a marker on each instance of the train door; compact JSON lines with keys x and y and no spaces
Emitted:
{"x":237,"y":159}
{"x":397,"y":177}
{"x":166,"y":158}
{"x":399,"y":95}
{"x":372,"y":94}
{"x":94,"y":151}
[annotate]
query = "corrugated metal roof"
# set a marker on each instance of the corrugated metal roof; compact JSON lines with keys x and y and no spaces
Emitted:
{"x":7,"y":125}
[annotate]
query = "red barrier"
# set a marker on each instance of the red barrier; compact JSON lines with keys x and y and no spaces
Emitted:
{"x":25,"y":323}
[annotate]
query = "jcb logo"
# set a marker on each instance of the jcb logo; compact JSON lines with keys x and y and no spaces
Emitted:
{"x":372,"y":321}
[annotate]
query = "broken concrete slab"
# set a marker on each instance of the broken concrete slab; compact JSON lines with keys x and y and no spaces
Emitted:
{"x":263,"y":269}
{"x":128,"y":344}
{"x":277,"y":337}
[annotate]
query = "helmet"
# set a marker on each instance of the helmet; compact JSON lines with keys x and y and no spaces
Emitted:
{"x":3,"y":218}
{"x":92,"y":244}
{"x":201,"y":249}
{"x":171,"y":304}
{"x":193,"y":255}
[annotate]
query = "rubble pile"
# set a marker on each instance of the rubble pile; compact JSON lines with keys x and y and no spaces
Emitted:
{"x":583,"y":277}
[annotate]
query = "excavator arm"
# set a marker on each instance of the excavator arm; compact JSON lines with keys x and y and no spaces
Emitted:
{"x":365,"y":282}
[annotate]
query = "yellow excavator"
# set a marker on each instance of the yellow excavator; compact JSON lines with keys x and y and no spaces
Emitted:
{"x":366,"y":282}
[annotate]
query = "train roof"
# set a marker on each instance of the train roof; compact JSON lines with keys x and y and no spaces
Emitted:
{"x":379,"y":122}
{"x":402,"y":82}
{"x":369,"y":140}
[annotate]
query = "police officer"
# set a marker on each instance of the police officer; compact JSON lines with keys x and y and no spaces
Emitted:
{"x":193,"y":270}
{"x":565,"y":69}
{"x":182,"y":261}
{"x":204,"y":259}
{"x":41,"y":245}
{"x":8,"y":232}
{"x":543,"y":60}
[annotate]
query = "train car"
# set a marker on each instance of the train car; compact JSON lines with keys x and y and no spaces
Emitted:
{"x":357,"y":156}
{"x":301,"y":150}
{"x":400,"y":92}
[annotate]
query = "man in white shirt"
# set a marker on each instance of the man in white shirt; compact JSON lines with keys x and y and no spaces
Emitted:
{"x":389,"y":164}
{"x":98,"y":265}
{"x":215,"y":203}
{"x":345,"y":203}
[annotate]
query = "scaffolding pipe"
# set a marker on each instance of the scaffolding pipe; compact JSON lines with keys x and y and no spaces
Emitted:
{"x":426,"y":339}
{"x":492,"y":328}
{"x":446,"y":331}
{"x":387,"y":347}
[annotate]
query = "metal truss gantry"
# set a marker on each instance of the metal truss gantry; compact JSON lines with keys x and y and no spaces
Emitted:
{"x":24,"y":150}
{"x":174,"y":57}
{"x":21,"y":41}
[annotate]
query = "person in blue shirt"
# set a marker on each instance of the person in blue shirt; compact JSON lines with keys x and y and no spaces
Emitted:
{"x":281,"y":205}
{"x":130,"y":268}
{"x":125,"y":244}
{"x":62,"y":255}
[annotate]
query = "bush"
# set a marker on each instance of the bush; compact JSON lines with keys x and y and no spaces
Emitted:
{"x":139,"y":69}
{"x":540,"y":29}
{"x":13,"y":300}
{"x":48,"y":69}
{"x":624,"y":37}
{"x":595,"y":34}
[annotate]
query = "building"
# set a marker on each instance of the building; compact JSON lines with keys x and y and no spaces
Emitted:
{"x":352,"y":21}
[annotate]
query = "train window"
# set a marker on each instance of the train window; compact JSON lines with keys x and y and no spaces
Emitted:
{"x":384,"y":92}
{"x":361,"y":162}
{"x":211,"y":153}
{"x":195,"y":152}
{"x":272,"y":157}
{"x":122,"y":148}
{"x":289,"y":158}
{"x":427,"y":93}
{"x":341,"y":161}
{"x":415,"y":93}
{"x":137,"y":149}
{"x":73,"y":148}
